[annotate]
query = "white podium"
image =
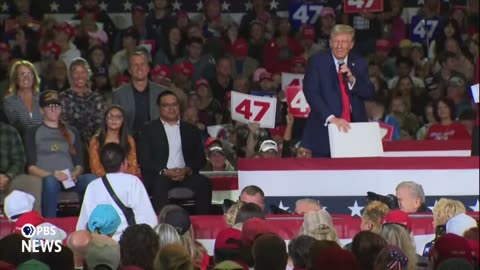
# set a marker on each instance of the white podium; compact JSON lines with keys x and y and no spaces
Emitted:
{"x":362,"y":140}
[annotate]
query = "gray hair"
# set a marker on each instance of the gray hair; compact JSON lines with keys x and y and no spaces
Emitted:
{"x":309,"y":201}
{"x":167,"y":235}
{"x":416,"y":190}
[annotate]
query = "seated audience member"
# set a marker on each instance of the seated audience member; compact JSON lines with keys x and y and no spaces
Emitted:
{"x":398,"y":217}
{"x":451,"y":246}
{"x":82,"y":108}
{"x":366,"y":246}
{"x":373,"y":216}
{"x":411,"y":197}
{"x":128,"y":188}
{"x":216,"y":160}
{"x":377,"y":112}
{"x":446,"y":128}
{"x":457,"y":92}
{"x":268,"y":149}
{"x":253,"y":194}
{"x":16,"y":204}
{"x":104,"y":220}
{"x":428,"y":120}
{"x":11,"y":249}
{"x":171,"y":155}
{"x":180,"y":220}
{"x":103,"y":250}
{"x":167,"y":235}
{"x":269,"y":253}
{"x":229,"y":265}
{"x":62,"y":260}
{"x":390,"y":255}
{"x":319,"y":225}
{"x":12,"y":165}
{"x":228,"y":245}
{"x":113,"y":130}
{"x":32,"y":217}
{"x":138,"y":246}
{"x":397,"y":235}
{"x":298,"y":251}
{"x":460,"y":223}
{"x":303,"y":206}
{"x":445,"y":209}
{"x":316,"y":249}
{"x":252,"y":229}
{"x":78,"y":243}
{"x":54,"y":153}
{"x":336,"y":258}
{"x":246,"y":212}
{"x":173,"y":257}
{"x":21,"y":101}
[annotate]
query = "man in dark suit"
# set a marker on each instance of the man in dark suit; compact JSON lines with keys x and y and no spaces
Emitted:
{"x":138,"y":98}
{"x":336,"y":84}
{"x":171,"y":155}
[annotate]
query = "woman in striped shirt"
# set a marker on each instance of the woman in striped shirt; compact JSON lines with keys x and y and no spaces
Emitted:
{"x":21,"y":101}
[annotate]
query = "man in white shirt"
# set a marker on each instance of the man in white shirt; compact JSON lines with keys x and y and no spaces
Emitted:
{"x":128,"y":188}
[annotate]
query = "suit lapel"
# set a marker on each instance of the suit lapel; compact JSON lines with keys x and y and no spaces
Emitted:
{"x":163,"y":134}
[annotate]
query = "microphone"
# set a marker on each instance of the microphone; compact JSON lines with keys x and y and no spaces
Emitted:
{"x":344,"y":74}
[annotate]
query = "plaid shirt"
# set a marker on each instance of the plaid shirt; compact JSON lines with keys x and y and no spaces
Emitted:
{"x":12,"y":155}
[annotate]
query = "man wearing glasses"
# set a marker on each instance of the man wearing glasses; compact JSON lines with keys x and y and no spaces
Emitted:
{"x":171,"y":155}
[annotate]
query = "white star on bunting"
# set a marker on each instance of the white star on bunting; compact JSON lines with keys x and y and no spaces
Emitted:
{"x":475,"y":207}
{"x":225,"y":6}
{"x":248,"y":6}
{"x":431,"y":207}
{"x":4,"y":7}
{"x":176,"y":5}
{"x":356,"y":209}
{"x":78,"y":6}
{"x":281,"y":206}
{"x":127,"y":6}
{"x":199,"y":5}
{"x":54,"y":7}
{"x":150,"y":5}
{"x":273,"y":4}
{"x":103,"y":6}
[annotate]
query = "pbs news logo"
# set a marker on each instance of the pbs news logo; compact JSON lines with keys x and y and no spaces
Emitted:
{"x":42,"y":238}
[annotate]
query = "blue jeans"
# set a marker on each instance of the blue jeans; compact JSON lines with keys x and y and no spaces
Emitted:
{"x":52,"y":188}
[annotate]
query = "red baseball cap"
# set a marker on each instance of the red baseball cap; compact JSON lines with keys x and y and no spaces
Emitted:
{"x":202,"y":82}
{"x":4,"y":47}
{"x":32,"y":217}
{"x":52,"y":48}
{"x":67,"y":28}
{"x":299,"y":60}
{"x":186,"y":68}
{"x":161,"y":70}
{"x":336,"y":258}
{"x":211,"y":141}
{"x":308,"y":32}
{"x":383,"y":44}
{"x":224,"y":238}
{"x":252,"y":228}
{"x":240,"y":48}
{"x":398,"y":217}
{"x":450,"y":246}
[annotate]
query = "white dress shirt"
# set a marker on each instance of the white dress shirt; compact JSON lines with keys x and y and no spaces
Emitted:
{"x":175,"y":153}
{"x":129,"y":190}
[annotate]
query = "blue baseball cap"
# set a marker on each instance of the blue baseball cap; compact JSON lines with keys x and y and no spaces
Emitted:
{"x":105,"y":219}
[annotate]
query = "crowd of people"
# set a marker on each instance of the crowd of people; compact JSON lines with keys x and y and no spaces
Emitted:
{"x":121,"y":117}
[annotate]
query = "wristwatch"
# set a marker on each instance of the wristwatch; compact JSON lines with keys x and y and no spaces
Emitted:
{"x":162,"y":171}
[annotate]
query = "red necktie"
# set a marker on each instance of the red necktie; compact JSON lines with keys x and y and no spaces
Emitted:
{"x":345,"y":96}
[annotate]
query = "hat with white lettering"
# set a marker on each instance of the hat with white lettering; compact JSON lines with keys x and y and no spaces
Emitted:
{"x":49,"y":232}
{"x":17,"y":203}
{"x":268,"y":145}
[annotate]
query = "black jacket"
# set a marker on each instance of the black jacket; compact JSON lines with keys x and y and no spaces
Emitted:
{"x":153,"y":148}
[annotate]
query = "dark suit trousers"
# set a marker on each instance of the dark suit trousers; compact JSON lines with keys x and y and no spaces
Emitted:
{"x":199,"y":184}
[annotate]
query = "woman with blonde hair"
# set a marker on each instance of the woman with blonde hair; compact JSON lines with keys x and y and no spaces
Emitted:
{"x":373,"y":215}
{"x":319,"y":225}
{"x":445,"y":209}
{"x":167,"y":234}
{"x":173,"y":257}
{"x":82,"y":108}
{"x":397,"y":235}
{"x":231,"y":215}
{"x":21,"y":102}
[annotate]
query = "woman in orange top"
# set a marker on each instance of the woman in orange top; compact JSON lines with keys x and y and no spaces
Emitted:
{"x":113,"y":130}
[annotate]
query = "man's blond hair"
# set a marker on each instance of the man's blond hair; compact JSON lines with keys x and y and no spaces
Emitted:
{"x":342,"y":29}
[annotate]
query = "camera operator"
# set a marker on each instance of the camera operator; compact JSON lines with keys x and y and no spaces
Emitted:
{"x":411,"y":197}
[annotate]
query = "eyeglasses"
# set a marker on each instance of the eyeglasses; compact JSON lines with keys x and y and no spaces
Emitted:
{"x":53,"y":106}
{"x":114,"y":117}
{"x":25,"y":74}
{"x":169,"y":105}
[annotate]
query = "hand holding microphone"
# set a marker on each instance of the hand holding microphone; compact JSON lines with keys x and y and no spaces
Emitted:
{"x":346,"y":73}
